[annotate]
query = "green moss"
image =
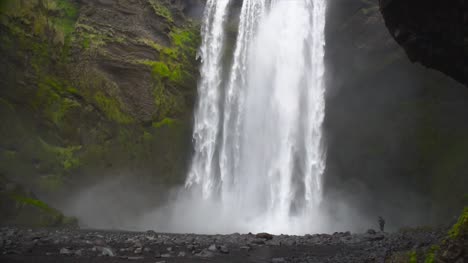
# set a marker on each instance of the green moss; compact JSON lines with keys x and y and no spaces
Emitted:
{"x":111,"y":107}
{"x":34,"y":212}
{"x":166,"y":103}
{"x":184,"y":37}
{"x":86,"y":43}
{"x":431,"y":255}
{"x":461,"y":227}
{"x":33,"y":202}
{"x":67,"y":7}
{"x":413,"y":257}
{"x":160,"y":69}
{"x":64,"y":155}
{"x":92,"y":39}
{"x":174,"y":70}
{"x":147,"y":136}
{"x":165,"y":122}
{"x":151,"y":43}
{"x":56,"y":115}
{"x":64,"y":23}
{"x":52,"y":99}
{"x":52,"y":20}
{"x":163,"y":72}
{"x":161,"y":10}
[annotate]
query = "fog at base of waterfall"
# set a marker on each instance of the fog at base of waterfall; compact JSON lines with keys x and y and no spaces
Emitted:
{"x":259,"y":156}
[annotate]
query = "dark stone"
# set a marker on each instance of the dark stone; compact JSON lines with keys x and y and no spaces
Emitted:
{"x":278,"y":260}
{"x":258,"y":241}
{"x":224,"y":249}
{"x":264,"y":236}
{"x":432,"y":32}
{"x":66,"y":251}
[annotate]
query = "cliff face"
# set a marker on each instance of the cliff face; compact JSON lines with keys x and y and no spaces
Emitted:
{"x":90,"y":88}
{"x":432,"y":32}
{"x":396,"y":134}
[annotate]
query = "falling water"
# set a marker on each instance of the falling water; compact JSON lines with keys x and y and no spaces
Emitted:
{"x":207,"y":114}
{"x":258,"y":132}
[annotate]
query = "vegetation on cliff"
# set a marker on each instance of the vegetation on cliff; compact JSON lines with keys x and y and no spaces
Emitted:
{"x":82,"y":86}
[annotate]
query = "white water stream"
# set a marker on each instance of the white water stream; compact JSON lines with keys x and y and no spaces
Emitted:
{"x":259,"y":157}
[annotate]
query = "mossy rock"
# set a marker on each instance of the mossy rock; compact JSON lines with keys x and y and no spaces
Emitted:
{"x":20,"y":208}
{"x":460,"y":229}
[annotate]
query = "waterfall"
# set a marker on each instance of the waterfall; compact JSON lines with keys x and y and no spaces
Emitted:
{"x":207,"y":113}
{"x":257,"y":135}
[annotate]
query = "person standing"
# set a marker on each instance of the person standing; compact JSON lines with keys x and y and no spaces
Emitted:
{"x":381,"y":224}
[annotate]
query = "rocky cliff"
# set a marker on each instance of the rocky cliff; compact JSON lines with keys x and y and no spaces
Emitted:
{"x":434,"y":33}
{"x":95,"y":88}
{"x":396,"y":131}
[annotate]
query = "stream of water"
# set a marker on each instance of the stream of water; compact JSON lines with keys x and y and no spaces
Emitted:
{"x":258,"y":144}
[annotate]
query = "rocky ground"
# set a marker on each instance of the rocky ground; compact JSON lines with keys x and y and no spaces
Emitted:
{"x":67,"y":245}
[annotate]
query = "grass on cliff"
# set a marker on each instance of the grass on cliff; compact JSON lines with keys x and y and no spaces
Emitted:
{"x":44,"y":216}
{"x":457,"y":233}
{"x":112,"y":108}
{"x":461,"y":227}
{"x":57,"y":107}
{"x":174,"y":71}
{"x":161,"y":10}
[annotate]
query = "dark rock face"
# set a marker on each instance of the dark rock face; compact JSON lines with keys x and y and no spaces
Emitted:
{"x":395,"y":129}
{"x":432,"y":32}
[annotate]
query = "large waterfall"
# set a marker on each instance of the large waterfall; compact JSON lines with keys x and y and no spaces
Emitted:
{"x":257,"y":136}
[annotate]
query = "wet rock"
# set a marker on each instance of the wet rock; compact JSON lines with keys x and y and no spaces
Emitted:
{"x":169,"y":249}
{"x":181,"y":254}
{"x":138,"y":244}
{"x":135,"y":258}
{"x":453,"y":252}
{"x":191,"y":247}
{"x":245,"y":248}
{"x":266,"y":236}
{"x":374,"y":237}
{"x":258,"y":241}
{"x":100,"y":242}
{"x":205,"y":254}
{"x":278,"y":260}
{"x":79,"y":253}
{"x":151,"y":232}
{"x":224,"y":249}
{"x":166,"y":255}
{"x":138,"y":250}
{"x":107,"y":251}
{"x":212,"y":248}
{"x":65,"y":251}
